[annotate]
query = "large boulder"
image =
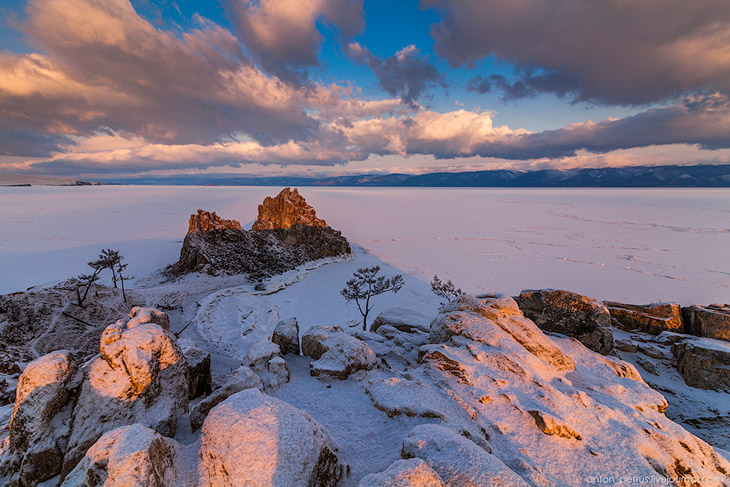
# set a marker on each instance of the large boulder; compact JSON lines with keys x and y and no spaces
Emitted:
{"x":286,"y":335}
{"x":286,"y":210}
{"x":704,"y":363}
{"x":457,"y":460}
{"x":651,"y":318}
{"x":494,"y":319}
{"x":242,"y":378}
{"x":581,"y":317}
{"x":34,"y":453}
{"x":266,"y":442}
{"x":141,"y":377}
{"x":286,"y":235}
{"x":200,"y":381}
{"x":402,"y":319}
{"x":130,"y":456}
{"x":404,"y":473}
{"x":711,"y":321}
{"x":337,"y":354}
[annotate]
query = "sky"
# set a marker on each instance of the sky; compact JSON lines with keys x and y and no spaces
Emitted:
{"x":323,"y":87}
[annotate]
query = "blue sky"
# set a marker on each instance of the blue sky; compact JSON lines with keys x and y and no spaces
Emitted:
{"x":333,"y":86}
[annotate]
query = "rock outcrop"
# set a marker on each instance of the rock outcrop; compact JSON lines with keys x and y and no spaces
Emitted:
{"x":200,"y":381}
{"x":404,"y":473}
{"x":286,"y":235}
{"x":268,"y":443}
{"x":457,"y":460}
{"x":711,"y":321}
{"x":704,"y":363}
{"x":651,"y":318}
{"x":264,"y":358}
{"x":581,"y":317}
{"x":286,"y":335}
{"x":130,"y":456}
{"x":286,"y":210}
{"x":336,"y":354}
{"x":43,"y":391}
{"x":402,"y":319}
{"x":205,"y":221}
{"x":61,"y":410}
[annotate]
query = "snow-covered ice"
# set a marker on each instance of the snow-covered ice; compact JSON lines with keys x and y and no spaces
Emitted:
{"x":630,"y":245}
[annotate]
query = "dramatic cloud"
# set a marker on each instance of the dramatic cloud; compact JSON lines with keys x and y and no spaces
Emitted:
{"x":282,"y":34}
{"x":406,"y":74}
{"x":601,"y":50}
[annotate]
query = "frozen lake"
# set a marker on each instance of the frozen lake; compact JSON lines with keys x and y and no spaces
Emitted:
{"x":634,"y":245}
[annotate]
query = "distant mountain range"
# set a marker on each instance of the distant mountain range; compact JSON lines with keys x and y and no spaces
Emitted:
{"x":698,"y":176}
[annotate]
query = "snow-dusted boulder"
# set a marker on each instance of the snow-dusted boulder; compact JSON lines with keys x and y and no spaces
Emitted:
{"x":492,"y":319}
{"x":264,"y":358}
{"x":581,"y":317}
{"x":397,"y":395}
{"x":711,"y":321}
{"x":141,"y":316}
{"x":200,"y":381}
{"x":404,"y":473}
{"x":268,"y":443}
{"x":141,"y":377}
{"x":704,"y":363}
{"x":457,"y":460}
{"x":242,"y":378}
{"x":402,"y":319}
{"x":651,"y":318}
{"x":337,"y":354}
{"x":43,"y":390}
{"x":286,"y":335}
{"x":130,"y":456}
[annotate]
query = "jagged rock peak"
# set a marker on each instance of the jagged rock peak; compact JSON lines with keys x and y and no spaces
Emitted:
{"x":287,"y":209}
{"x":205,"y":221}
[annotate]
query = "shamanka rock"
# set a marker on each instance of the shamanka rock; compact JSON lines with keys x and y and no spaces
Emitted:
{"x":651,"y":318}
{"x":711,"y":321}
{"x":286,"y":210}
{"x":581,"y":317}
{"x":286,"y":235}
{"x":267,"y":442}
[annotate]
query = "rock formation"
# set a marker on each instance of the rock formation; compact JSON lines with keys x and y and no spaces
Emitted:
{"x":711,"y":321}
{"x":703,"y":363}
{"x":286,"y":210}
{"x":264,"y":358}
{"x":571,"y":314}
{"x":402,"y":319}
{"x":336,"y":354}
{"x":651,"y":318}
{"x":200,"y":381}
{"x":241,"y":379}
{"x":404,"y":473}
{"x":61,"y":409}
{"x":267,"y":442}
{"x":286,"y":235}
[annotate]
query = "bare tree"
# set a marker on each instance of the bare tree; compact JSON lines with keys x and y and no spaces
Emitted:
{"x":365,"y":285}
{"x":111,"y":259}
{"x":445,"y":290}
{"x":86,"y":280}
{"x":119,"y":270}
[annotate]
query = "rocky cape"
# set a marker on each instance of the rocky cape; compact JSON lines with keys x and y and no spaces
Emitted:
{"x":286,"y":234}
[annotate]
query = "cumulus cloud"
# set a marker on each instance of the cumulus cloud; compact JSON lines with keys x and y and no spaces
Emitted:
{"x":406,"y":73}
{"x":599,"y":50}
{"x":104,"y":67}
{"x":282,"y":34}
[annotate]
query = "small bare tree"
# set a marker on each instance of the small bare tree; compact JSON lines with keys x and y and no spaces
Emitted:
{"x":119,"y":270}
{"x":446,"y":290}
{"x":86,"y":280}
{"x":111,"y":260}
{"x":365,"y":285}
